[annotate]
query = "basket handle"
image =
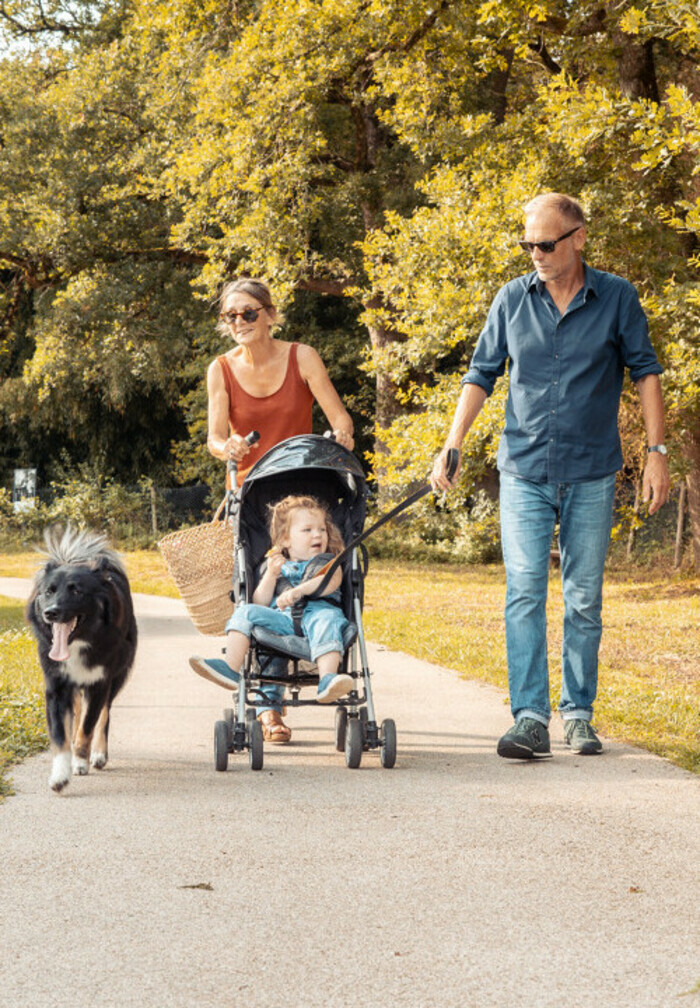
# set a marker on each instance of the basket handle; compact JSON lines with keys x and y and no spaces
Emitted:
{"x":217,"y":513}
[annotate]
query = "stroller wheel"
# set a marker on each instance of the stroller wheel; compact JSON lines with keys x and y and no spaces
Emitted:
{"x":229,"y":719}
{"x":221,"y":741}
{"x":353,"y":743}
{"x":387,"y":753}
{"x":341,"y":727}
{"x":249,"y":717}
{"x":255,"y":745}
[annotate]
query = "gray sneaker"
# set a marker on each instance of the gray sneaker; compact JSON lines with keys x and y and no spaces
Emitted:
{"x":527,"y":739}
{"x":580,"y":736}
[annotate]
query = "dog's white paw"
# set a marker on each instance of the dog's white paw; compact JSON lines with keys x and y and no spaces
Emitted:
{"x":80,"y":766}
{"x":60,"y":771}
{"x":98,"y":760}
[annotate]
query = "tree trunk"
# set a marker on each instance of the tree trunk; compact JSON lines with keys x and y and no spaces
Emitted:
{"x":691,"y":451}
{"x":633,"y":525}
{"x":387,"y":403}
{"x":680,"y":525}
{"x":635,"y":66}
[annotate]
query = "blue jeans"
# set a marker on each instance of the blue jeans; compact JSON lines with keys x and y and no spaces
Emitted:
{"x":529,"y":512}
{"x":322,"y":624}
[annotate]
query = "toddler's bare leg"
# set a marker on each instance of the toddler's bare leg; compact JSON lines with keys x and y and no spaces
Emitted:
{"x":237,"y":645}
{"x":328,"y":664}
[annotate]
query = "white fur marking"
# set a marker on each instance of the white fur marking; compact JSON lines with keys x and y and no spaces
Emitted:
{"x":76,"y":670}
{"x":80,"y":766}
{"x":98,"y":760}
{"x":60,"y":771}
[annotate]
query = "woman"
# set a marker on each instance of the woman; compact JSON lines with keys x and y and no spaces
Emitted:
{"x":267,"y":385}
{"x":263,"y":383}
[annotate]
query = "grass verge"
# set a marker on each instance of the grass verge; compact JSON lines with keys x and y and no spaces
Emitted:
{"x":22,"y":719}
{"x":649,"y":677}
{"x":649,"y":684}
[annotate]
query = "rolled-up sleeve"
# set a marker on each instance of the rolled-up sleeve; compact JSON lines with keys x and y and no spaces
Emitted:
{"x":637,"y":352}
{"x":491,"y":352}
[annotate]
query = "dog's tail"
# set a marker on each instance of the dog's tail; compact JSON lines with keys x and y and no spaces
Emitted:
{"x":80,"y":546}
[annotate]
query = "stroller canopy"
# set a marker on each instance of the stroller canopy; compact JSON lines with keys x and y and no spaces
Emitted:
{"x":307,"y":464}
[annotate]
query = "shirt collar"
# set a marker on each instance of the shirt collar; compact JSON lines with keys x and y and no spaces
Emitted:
{"x":590,"y":282}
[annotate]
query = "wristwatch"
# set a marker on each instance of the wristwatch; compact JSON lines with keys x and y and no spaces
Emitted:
{"x":660,"y":448}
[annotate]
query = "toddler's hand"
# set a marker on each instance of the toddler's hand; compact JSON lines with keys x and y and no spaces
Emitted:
{"x":275,"y":562}
{"x":286,"y":599}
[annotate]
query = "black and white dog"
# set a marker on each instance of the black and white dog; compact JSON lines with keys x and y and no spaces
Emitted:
{"x":82,"y":615}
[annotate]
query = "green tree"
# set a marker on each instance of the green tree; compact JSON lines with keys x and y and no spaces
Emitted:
{"x":98,"y":314}
{"x":606,"y":112}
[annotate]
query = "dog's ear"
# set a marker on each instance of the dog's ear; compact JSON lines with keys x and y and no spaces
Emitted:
{"x":115,"y":610}
{"x":32,"y":611}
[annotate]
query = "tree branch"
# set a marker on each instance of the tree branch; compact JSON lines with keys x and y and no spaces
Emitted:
{"x":336,"y":287}
{"x":42,"y":24}
{"x":540,"y":48}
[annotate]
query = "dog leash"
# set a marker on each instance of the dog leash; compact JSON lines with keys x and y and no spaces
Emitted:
{"x":332,"y":566}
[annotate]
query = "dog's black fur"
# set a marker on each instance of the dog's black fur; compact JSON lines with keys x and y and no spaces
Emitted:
{"x":82,"y":615}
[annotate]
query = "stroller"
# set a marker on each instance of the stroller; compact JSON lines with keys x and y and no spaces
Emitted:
{"x":307,"y":464}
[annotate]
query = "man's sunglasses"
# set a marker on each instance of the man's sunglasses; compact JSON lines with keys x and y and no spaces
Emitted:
{"x":546,"y":246}
{"x":248,"y":315}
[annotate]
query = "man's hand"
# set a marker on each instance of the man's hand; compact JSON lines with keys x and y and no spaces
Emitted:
{"x":439,"y":479}
{"x":656,"y":481}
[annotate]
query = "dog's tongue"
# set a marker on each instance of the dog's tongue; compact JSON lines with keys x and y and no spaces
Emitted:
{"x":60,"y":633}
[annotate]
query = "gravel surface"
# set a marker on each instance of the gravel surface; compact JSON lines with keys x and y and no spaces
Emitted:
{"x":455,"y":879}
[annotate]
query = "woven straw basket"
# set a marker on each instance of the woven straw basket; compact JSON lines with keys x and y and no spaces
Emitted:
{"x":200,"y":561}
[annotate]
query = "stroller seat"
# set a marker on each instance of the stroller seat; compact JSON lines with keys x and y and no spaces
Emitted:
{"x":291,"y":646}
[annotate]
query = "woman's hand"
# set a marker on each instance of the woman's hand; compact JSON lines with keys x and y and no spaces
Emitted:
{"x":344,"y":438}
{"x":236,"y":448}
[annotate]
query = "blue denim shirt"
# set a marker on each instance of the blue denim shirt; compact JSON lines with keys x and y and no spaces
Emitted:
{"x":565,"y":372}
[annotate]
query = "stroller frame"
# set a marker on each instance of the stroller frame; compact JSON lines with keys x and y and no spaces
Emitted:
{"x":356,"y":726}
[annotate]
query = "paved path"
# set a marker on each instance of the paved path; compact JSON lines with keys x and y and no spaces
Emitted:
{"x":456,"y":879}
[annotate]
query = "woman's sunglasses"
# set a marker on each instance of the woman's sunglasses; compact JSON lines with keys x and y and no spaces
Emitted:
{"x":546,"y":246}
{"x":248,"y":315}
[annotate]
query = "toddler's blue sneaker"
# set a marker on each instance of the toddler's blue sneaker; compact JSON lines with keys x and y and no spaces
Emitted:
{"x":216,"y":670}
{"x":331,"y":687}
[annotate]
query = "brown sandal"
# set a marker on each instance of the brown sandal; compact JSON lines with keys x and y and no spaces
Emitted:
{"x":274,"y":728}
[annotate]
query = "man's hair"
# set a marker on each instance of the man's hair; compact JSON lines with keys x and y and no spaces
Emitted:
{"x":566,"y":205}
{"x":281,"y":520}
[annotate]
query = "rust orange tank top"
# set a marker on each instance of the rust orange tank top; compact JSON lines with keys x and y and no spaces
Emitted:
{"x":283,"y":414}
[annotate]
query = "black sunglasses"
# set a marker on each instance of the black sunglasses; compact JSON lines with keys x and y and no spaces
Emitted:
{"x":248,"y":315}
{"x":546,"y":246}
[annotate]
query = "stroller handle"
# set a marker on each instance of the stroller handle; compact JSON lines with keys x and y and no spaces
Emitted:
{"x":250,"y":439}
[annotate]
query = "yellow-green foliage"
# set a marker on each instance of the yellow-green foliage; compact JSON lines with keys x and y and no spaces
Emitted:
{"x":22,"y":718}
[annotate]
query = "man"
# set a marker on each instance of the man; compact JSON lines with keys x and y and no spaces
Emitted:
{"x":567,"y":332}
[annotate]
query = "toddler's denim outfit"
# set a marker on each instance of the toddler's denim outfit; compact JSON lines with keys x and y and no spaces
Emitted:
{"x":322,"y":623}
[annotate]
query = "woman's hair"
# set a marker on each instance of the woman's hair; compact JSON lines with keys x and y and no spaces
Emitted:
{"x":566,"y":205}
{"x":281,"y":519}
{"x":246,"y":285}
